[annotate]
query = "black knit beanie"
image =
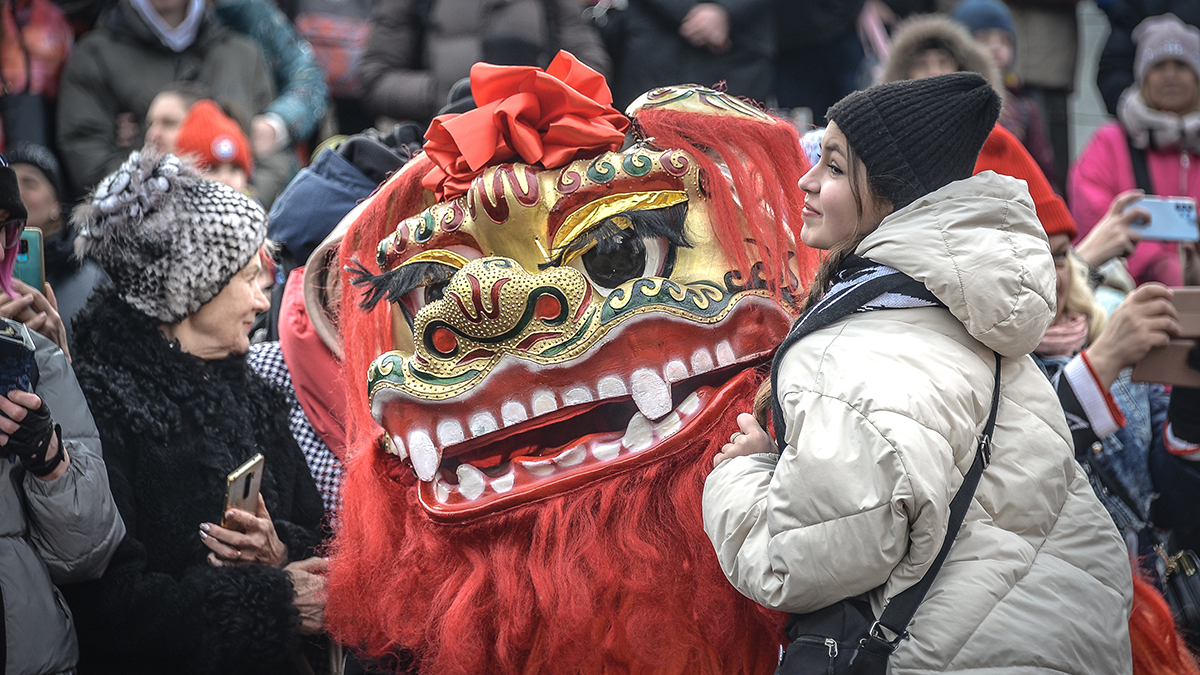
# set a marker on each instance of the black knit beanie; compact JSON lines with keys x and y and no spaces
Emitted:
{"x":10,"y":194}
{"x":916,"y":136}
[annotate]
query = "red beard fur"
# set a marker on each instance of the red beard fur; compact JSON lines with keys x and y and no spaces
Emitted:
{"x":617,"y":576}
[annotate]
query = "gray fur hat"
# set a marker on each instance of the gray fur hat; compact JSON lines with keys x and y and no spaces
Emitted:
{"x":168,"y":239}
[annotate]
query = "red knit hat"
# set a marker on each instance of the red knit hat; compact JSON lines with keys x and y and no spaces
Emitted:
{"x":212,"y":138}
{"x":1004,"y":154}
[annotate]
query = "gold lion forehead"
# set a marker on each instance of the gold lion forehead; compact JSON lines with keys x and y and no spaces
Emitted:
{"x":540,"y":217}
{"x":691,"y":98}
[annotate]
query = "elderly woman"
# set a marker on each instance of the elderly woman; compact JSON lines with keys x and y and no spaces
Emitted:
{"x":1158,"y":118}
{"x":160,"y":355}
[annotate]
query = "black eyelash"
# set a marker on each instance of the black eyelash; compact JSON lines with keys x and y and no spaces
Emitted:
{"x":396,"y":284}
{"x":666,"y":223}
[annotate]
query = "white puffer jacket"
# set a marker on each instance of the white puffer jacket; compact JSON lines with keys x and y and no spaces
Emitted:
{"x":883,"y":409}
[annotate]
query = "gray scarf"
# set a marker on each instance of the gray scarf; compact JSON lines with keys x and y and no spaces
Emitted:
{"x":1157,"y":129}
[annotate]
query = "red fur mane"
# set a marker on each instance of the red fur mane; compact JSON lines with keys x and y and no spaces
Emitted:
{"x":617,"y":576}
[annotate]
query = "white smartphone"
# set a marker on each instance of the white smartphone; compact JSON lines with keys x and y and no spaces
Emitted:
{"x":1171,"y":218}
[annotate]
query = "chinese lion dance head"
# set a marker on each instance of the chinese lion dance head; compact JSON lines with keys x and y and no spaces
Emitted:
{"x":561,"y":312}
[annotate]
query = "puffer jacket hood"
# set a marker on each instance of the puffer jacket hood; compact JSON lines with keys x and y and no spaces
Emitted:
{"x":916,"y":34}
{"x":989,"y":261}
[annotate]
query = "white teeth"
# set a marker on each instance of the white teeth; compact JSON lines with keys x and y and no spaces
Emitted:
{"x":482,"y":423}
{"x":725,"y":354}
{"x":512,"y":413}
{"x":471,"y":481}
{"x":668,"y":426}
{"x":396,"y":447}
{"x":449,"y":432}
{"x":576,"y":396}
{"x":540,"y":467}
{"x":611,"y":387}
{"x":689,"y":405}
{"x":571,"y":457}
{"x":702,"y":361}
{"x":639,"y":434}
{"x":504,"y":483}
{"x":425,"y":457}
{"x":441,"y":490}
{"x":606,"y":451}
{"x":543,"y":402}
{"x":675,"y":371}
{"x":651,"y":393}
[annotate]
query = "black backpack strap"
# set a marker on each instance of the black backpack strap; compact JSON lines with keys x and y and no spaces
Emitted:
{"x":1141,"y":174}
{"x":900,"y":611}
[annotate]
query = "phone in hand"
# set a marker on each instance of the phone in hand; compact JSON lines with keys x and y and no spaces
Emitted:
{"x":16,"y":356}
{"x":30,"y":266}
{"x":1171,"y":218}
{"x":242,"y":486}
{"x":1168,"y":365}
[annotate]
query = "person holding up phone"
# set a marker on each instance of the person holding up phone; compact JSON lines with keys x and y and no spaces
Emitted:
{"x":161,"y":355}
{"x":58,"y":521}
{"x":1157,"y":129}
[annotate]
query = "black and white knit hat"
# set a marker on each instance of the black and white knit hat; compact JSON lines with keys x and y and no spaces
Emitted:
{"x":915,"y":136}
{"x":168,"y":239}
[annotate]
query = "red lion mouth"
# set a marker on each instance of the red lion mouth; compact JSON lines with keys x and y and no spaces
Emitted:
{"x":529,"y":431}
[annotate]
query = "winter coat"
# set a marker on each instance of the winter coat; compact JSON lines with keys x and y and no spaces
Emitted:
{"x":410,"y":64}
{"x":1047,"y":43}
{"x":1119,"y":463}
{"x":1104,"y":170}
{"x":883,"y":409}
{"x":60,"y":531}
{"x":1114,"y":74}
{"x":653,"y":54}
{"x":173,"y":426}
{"x":300,"y":83}
{"x":267,"y":359}
{"x":72,"y":279}
{"x":120,"y":66}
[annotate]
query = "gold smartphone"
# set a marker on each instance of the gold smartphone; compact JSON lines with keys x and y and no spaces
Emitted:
{"x":242,"y":486}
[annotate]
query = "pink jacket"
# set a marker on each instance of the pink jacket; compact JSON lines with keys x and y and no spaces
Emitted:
{"x":1104,"y":170}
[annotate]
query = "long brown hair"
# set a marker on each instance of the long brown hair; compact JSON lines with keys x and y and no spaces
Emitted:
{"x":832,"y":262}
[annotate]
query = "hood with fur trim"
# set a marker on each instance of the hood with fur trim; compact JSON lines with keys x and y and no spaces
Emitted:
{"x":929,"y":31}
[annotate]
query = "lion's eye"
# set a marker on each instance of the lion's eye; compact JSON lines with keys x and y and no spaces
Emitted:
{"x":435,"y":292}
{"x":624,"y":257}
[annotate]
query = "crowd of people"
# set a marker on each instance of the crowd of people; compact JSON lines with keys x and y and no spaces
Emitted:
{"x":184,"y":162}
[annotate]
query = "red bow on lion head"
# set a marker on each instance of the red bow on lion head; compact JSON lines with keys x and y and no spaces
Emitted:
{"x":549,"y":117}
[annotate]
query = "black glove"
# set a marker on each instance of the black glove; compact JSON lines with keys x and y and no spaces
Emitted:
{"x":31,"y":441}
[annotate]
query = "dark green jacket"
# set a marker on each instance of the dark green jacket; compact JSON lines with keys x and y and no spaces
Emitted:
{"x":121,"y":65}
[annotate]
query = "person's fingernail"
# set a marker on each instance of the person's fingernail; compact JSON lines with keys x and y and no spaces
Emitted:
{"x":229,"y":514}
{"x":203,"y":534}
{"x":205,"y":526}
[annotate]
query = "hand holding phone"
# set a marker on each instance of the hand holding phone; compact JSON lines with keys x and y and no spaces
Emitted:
{"x":1171,"y":218}
{"x":246,"y":534}
{"x":1168,"y":364}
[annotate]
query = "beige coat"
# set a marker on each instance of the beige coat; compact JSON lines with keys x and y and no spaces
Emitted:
{"x":882,"y":413}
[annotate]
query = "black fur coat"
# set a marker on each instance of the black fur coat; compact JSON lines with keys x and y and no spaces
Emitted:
{"x":172,"y":427}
